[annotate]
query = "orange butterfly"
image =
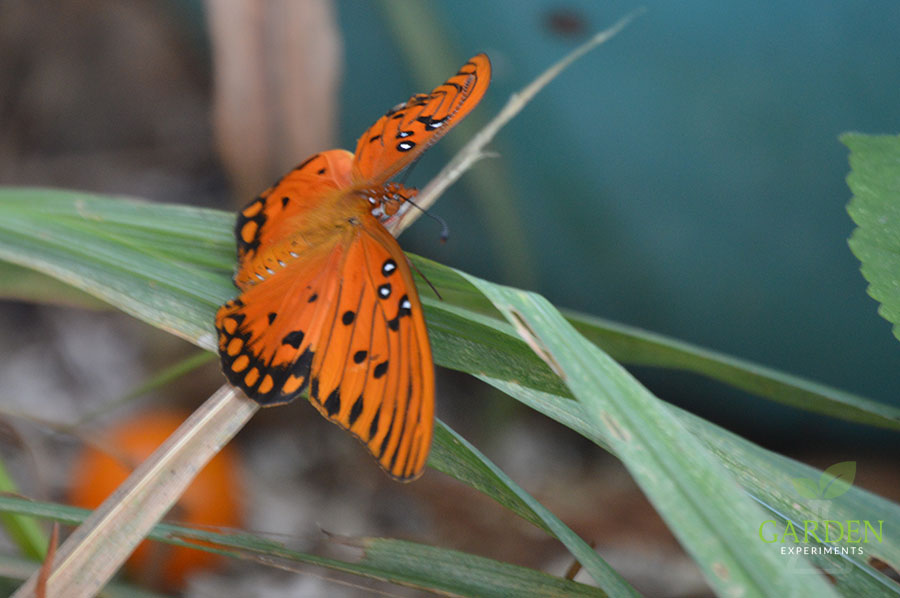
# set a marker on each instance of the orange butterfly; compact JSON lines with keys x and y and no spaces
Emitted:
{"x":327,"y":297}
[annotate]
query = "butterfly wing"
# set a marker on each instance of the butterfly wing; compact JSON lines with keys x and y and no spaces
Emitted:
{"x":268,"y":334}
{"x":289,"y":212}
{"x":343,"y":319}
{"x":373,"y":373}
{"x":406,"y":131}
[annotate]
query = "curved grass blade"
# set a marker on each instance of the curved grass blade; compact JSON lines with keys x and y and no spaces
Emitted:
{"x":693,"y":492}
{"x":464,"y":310}
{"x":767,"y":477}
{"x":471,"y":467}
{"x":638,"y":347}
{"x":461,"y":574}
{"x":437,"y":570}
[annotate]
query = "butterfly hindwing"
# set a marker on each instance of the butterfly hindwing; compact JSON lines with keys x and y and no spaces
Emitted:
{"x":406,"y":131}
{"x":268,"y":335}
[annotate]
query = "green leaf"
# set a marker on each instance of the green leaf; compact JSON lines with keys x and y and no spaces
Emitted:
{"x":634,"y":346}
{"x":837,"y":479}
{"x":23,"y":284}
{"x":767,"y":477}
{"x":479,"y":340}
{"x":178,"y":267}
{"x":806,"y":488}
{"x":453,"y":455}
{"x":441,"y":571}
{"x":23,"y":531}
{"x":875,"y":208}
{"x":689,"y":487}
{"x":167,"y":267}
{"x":462,"y":574}
{"x":83,"y":239}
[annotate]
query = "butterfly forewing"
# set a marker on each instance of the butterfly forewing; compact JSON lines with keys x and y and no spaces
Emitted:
{"x":401,"y":135}
{"x":289,"y":212}
{"x":373,"y":373}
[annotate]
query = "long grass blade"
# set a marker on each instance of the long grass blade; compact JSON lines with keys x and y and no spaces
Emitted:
{"x":688,"y":485}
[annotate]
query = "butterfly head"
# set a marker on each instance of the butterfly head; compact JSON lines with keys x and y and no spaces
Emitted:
{"x":389,"y":200}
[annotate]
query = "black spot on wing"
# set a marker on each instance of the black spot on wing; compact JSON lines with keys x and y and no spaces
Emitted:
{"x":293,"y":339}
{"x":431,"y":123}
{"x":387,"y":438}
{"x":356,"y":410}
{"x":303,"y":364}
{"x":300,"y":369}
{"x":380,"y":369}
{"x":401,"y":425}
{"x":333,"y":402}
{"x":373,"y":427}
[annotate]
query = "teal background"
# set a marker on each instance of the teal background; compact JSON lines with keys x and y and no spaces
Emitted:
{"x":685,"y":178}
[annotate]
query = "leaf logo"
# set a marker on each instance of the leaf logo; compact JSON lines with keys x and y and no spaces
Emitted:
{"x":834,"y":481}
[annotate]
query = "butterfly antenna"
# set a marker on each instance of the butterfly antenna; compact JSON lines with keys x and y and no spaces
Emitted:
{"x":425,"y":278}
{"x":445,"y":230}
{"x":405,"y":174}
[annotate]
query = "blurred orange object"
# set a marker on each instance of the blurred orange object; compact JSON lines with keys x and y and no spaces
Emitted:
{"x":213,"y":498}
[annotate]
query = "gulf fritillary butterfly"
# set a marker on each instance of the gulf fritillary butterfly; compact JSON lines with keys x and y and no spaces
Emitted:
{"x":327,"y":297}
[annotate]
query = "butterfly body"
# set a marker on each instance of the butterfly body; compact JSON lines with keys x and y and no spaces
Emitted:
{"x":328,"y":303}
